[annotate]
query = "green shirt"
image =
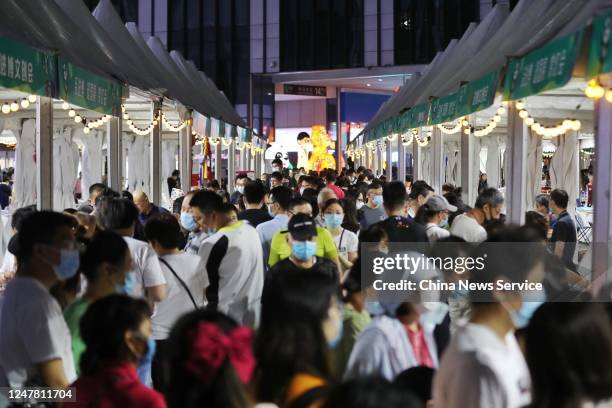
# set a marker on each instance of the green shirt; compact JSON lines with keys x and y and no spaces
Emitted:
{"x":73,"y":315}
{"x":280,"y":248}
{"x":353,"y":324}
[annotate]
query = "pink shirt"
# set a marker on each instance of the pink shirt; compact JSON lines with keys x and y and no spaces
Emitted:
{"x":419,"y":346}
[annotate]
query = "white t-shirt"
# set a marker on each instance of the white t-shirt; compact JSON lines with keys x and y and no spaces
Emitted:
{"x":146,"y":266}
{"x":468,"y":228}
{"x":9,"y":264}
{"x":32,"y":331}
{"x":178,"y":302}
{"x":346,"y":242}
{"x":481,"y":370}
{"x":434,"y":232}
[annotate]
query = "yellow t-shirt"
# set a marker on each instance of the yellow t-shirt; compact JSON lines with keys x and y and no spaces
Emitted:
{"x":280,"y":248}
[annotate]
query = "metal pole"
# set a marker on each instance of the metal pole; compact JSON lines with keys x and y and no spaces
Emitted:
{"x":367,"y":163}
{"x":339,"y":135}
{"x":389,"y":146}
{"x":517,"y":175}
{"x":185,"y":156}
{"x":44,"y":153}
{"x":416,"y":159}
{"x":602,"y":217}
{"x":401,"y":159}
{"x":467,"y":176}
{"x":155,"y":156}
{"x":218,"y":154}
{"x":113,"y":130}
{"x":231,"y":166}
{"x":438,"y":159}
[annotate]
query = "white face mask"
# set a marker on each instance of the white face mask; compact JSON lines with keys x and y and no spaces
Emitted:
{"x":240,"y":189}
{"x":276,"y":168}
{"x":359,"y":204}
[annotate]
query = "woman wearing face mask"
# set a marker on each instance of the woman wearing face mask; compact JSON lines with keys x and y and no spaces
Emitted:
{"x":345,"y":240}
{"x":433,"y":215}
{"x":105,"y":264}
{"x":117,"y":335}
{"x":301,"y":319}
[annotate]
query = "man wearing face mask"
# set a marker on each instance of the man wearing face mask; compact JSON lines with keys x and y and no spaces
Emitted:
{"x":35,"y":345}
{"x":278,"y":207}
{"x":232,"y":259}
{"x":483,"y":366}
{"x":373,"y":211}
{"x":471,"y":225}
{"x":241,"y":181}
{"x":196,"y":236}
{"x":302,"y":237}
{"x":434,"y":214}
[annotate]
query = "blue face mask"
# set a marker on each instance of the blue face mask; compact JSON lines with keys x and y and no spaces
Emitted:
{"x":188,"y":222}
{"x":147,"y":358}
{"x":304,"y":250}
{"x":375,"y":309}
{"x":69,"y":264}
{"x":333,"y":220}
{"x":128,"y":285}
{"x":333,"y":343}
{"x":211,"y":231}
{"x":521,"y":317}
{"x":443,"y":223}
{"x":377,"y":200}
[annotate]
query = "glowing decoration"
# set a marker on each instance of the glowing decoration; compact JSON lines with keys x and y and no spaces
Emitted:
{"x":320,"y":158}
{"x":14,"y":107}
{"x":32,"y":98}
{"x":65,"y":105}
{"x":25,"y":103}
{"x":6,"y":108}
{"x":609,"y":95}
{"x":72,"y":113}
{"x":594,"y":90}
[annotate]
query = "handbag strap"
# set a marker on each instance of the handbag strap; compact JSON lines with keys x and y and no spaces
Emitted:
{"x":183,"y":284}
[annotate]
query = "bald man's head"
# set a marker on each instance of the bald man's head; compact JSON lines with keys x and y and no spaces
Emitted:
{"x":142,"y":202}
{"x":324,"y":195}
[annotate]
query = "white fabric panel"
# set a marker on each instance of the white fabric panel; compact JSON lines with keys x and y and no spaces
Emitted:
{"x":426,"y":163}
{"x":564,"y":167}
{"x":493,"y":160}
{"x":452,"y":170}
{"x":169,"y":157}
{"x":534,"y":169}
{"x":92,"y":163}
{"x":139,"y":163}
{"x":476,"y":165}
{"x":24,"y":186}
{"x":65,"y":167}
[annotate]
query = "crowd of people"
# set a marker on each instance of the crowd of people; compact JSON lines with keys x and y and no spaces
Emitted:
{"x":259,"y":297}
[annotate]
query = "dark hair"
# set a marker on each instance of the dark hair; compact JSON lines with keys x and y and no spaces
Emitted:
{"x":424,"y":214}
{"x":375,"y":185}
{"x":97,"y":188}
{"x":116,"y":213}
{"x":21,"y":214}
{"x":104,"y":247}
{"x":303,"y":135}
{"x":542,"y":199}
{"x":569,"y":354}
{"x":370,"y":392}
{"x":165,"y":230}
{"x":418,"y":380}
{"x":394,"y":195}
{"x":103,"y":328}
{"x":229,"y":208}
{"x":254,"y":192}
{"x":177,"y":204}
{"x":184,"y":389}
{"x":106,"y":194}
{"x":537,"y":222}
{"x":277,"y":161}
{"x":207,"y":201}
{"x":351,"y":222}
{"x":40,"y":228}
{"x":127,"y":195}
{"x":214,"y":184}
{"x":560,"y":198}
{"x":309,"y":196}
{"x":490,"y":196}
{"x":281,"y":195}
{"x":241,"y":176}
{"x":290,"y":339}
{"x":277,"y":175}
{"x":408,"y":179}
{"x":330,"y":177}
{"x":176,"y":172}
{"x":419,"y":188}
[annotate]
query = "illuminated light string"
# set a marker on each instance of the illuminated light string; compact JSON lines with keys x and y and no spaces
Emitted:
{"x":486,"y":130}
{"x":24,"y":103}
{"x":88,"y":125}
{"x":451,"y":130}
{"x":546,"y":131}
{"x":594,"y":90}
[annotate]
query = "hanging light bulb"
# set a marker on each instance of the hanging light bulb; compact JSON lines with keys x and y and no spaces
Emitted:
{"x":126,"y":116}
{"x":65,"y":105}
{"x":25,"y":103}
{"x":519,"y":105}
{"x":609,"y":95}
{"x":501,"y":110}
{"x":576,"y":125}
{"x":90,"y":125}
{"x":78,"y":119}
{"x":497,"y":118}
{"x":105,"y":118}
{"x":529,"y":121}
{"x":86,"y":130}
{"x":464,"y":123}
{"x":6,"y":108}
{"x":523,"y":114}
{"x":466,"y":131}
{"x":567,"y":123}
{"x":72,"y":113}
{"x":14,"y":106}
{"x":32,"y":98}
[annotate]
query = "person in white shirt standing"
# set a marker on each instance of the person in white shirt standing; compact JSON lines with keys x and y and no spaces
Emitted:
{"x":185,"y":286}
{"x":433,"y":215}
{"x":470,"y":225}
{"x":35,"y":343}
{"x":232,"y":259}
{"x":483,"y":366}
{"x":146,"y":279}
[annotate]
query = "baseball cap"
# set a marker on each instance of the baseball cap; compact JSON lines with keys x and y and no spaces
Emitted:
{"x":439,"y":203}
{"x":302,"y":227}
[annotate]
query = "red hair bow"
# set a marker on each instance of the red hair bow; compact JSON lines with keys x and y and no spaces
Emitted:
{"x":210,"y":347}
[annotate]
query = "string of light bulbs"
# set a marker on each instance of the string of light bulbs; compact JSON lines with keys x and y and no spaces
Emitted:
{"x":547,"y":131}
{"x":139,"y":131}
{"x":15,"y":106}
{"x":452,"y":130}
{"x":594,"y":90}
{"x":88,"y":125}
{"x":170,"y":126}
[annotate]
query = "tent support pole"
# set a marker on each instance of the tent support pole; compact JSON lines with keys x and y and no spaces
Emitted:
{"x":467,"y":157}
{"x":44,"y":153}
{"x":401,"y":159}
{"x":416,"y":159}
{"x":156,"y":156}
{"x":185,"y":156}
{"x":339,"y":135}
{"x":517,"y":180}
{"x":438,"y":159}
{"x":113,"y":130}
{"x":389,"y":170}
{"x":381,"y":158}
{"x":231,"y":166}
{"x":218,"y":154}
{"x":367,"y":163}
{"x":602,"y":217}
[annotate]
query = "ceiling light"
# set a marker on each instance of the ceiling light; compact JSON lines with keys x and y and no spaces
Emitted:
{"x":368,"y":84}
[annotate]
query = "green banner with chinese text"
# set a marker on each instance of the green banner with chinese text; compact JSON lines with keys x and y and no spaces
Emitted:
{"x":478,"y":94}
{"x":600,"y":54}
{"x":444,"y":109}
{"x":27,"y":69}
